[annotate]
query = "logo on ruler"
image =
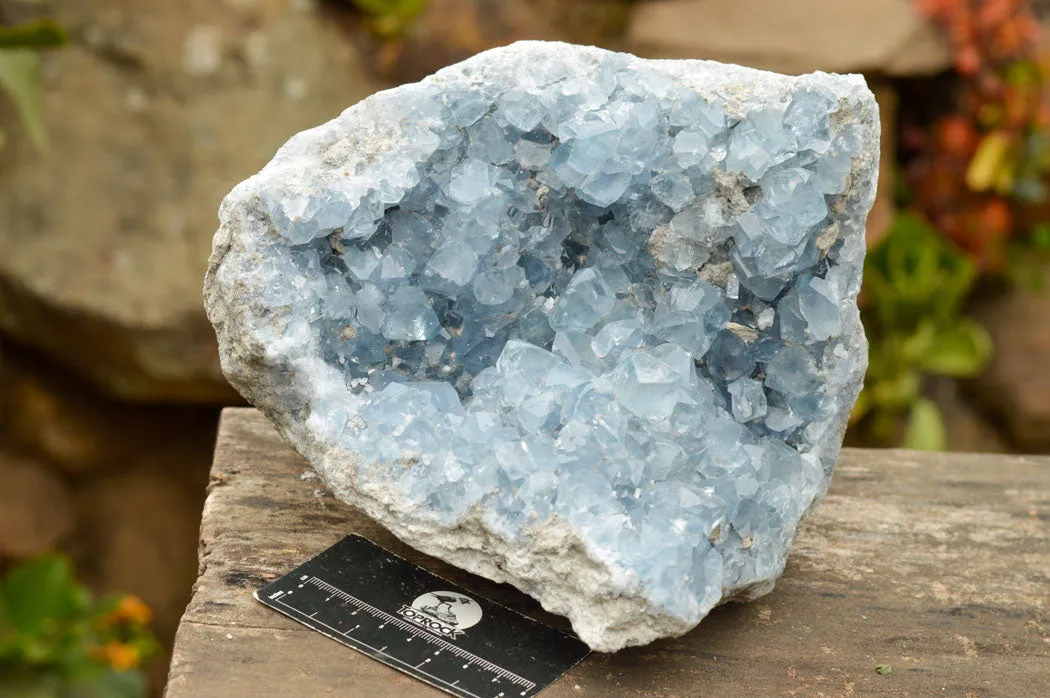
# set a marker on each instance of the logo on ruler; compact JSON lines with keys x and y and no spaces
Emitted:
{"x":444,"y":613}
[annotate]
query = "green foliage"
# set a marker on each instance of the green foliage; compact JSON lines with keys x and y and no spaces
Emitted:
{"x":19,"y":71}
{"x":390,"y":17}
{"x":57,"y":642}
{"x":925,"y":428}
{"x":39,"y":34}
{"x":1029,"y":257}
{"x":915,"y":286}
{"x":18,"y":79}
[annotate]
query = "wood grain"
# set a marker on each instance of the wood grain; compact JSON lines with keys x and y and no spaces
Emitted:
{"x":937,"y":565}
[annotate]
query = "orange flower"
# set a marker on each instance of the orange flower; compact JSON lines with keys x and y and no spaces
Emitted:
{"x":968,"y":61}
{"x":956,"y":137}
{"x":996,"y":219}
{"x":130,"y":609}
{"x":119,"y":656}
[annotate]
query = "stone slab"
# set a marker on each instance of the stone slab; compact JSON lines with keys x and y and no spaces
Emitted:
{"x":876,"y":36}
{"x":153,"y":111}
{"x":934,"y":564}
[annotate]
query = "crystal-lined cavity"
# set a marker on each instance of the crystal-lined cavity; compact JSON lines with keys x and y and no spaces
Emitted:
{"x":557,"y":288}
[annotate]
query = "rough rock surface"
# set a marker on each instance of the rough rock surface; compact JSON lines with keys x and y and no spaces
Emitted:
{"x":152,"y":112}
{"x":136,"y":531}
{"x":448,"y":31}
{"x":886,"y":37}
{"x":1015,"y":386}
{"x":566,"y":318}
{"x":35,"y":509}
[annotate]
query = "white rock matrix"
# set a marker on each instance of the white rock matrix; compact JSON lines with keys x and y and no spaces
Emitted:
{"x":566,"y":318}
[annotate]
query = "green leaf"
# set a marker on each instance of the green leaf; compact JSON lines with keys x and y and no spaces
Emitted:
{"x":860,"y":407}
{"x":31,"y":685}
{"x":960,"y":351}
{"x":883,"y":669}
{"x":898,"y":392}
{"x":39,"y":34}
{"x":109,"y":684}
{"x":18,"y":77}
{"x":373,"y":7}
{"x":915,"y":276}
{"x":1041,"y":236}
{"x":401,"y":9}
{"x":925,"y":429}
{"x":914,"y":347}
{"x":40,"y":592}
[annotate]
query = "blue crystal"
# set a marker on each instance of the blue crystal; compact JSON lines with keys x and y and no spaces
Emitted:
{"x":471,"y":181}
{"x":673,"y":189}
{"x":338,"y":299}
{"x":451,"y":268}
{"x":586,"y":300}
{"x":522,"y":110}
{"x":691,"y":148}
{"x":748,"y":399}
{"x":608,"y":299}
{"x":408,"y":316}
{"x":686,"y":314}
{"x":532,"y":155}
{"x":488,"y":142}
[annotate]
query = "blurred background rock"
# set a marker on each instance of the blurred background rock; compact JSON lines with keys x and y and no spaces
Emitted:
{"x":109,"y":379}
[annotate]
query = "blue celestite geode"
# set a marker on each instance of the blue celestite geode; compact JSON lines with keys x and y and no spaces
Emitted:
{"x":567,"y":318}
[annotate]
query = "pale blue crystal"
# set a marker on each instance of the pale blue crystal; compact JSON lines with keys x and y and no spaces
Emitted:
{"x":650,"y":385}
{"x":363,"y":263}
{"x":302,"y":218}
{"x":522,"y":110}
{"x":398,"y":263}
{"x":467,"y":105}
{"x":370,"y":302}
{"x":687,"y":314}
{"x":488,"y":142}
{"x":472,"y":181}
{"x":592,"y":294}
{"x":584,"y":302}
{"x":497,"y":286}
{"x":792,"y":372}
{"x":338,"y":298}
{"x":759,"y":142}
{"x":616,"y":337}
{"x":409,"y":316}
{"x":810,"y":311}
{"x":604,"y":188}
{"x":807,"y":118}
{"x":451,"y":268}
{"x":691,"y":148}
{"x":673,"y":189}
{"x":532,"y":155}
{"x":748,"y":399}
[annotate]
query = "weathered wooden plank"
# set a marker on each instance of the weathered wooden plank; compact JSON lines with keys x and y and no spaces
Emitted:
{"x":937,"y":565}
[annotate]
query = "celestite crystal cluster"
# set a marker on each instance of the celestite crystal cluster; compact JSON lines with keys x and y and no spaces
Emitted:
{"x":567,"y":318}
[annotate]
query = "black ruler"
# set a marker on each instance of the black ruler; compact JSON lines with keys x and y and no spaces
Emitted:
{"x":384,"y":606}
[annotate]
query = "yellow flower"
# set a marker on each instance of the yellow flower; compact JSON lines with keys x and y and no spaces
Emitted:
{"x":131,"y":609}
{"x":119,"y":656}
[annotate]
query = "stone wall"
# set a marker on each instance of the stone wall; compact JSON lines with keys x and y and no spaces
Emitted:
{"x":117,"y":486}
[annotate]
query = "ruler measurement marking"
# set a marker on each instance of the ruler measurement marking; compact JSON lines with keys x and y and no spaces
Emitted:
{"x":330,"y":610}
{"x":469,"y":657}
{"x":378,"y":651}
{"x":405,"y":625}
